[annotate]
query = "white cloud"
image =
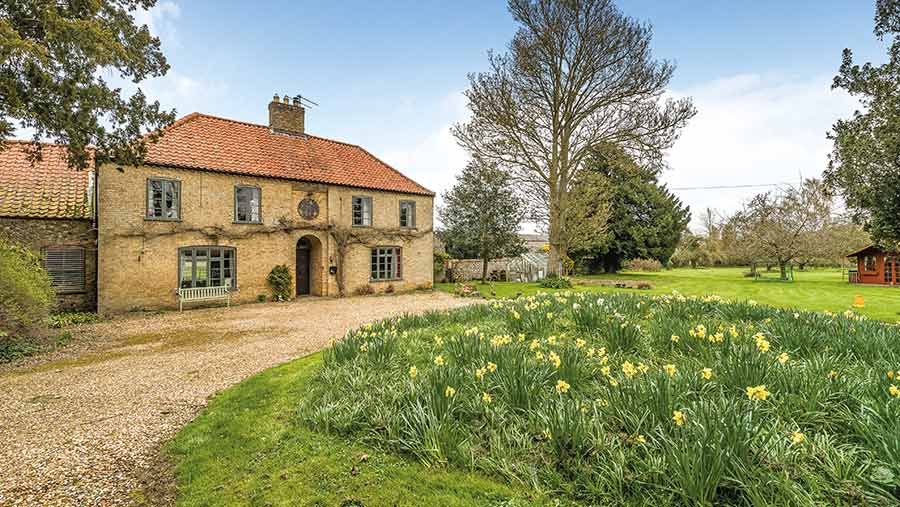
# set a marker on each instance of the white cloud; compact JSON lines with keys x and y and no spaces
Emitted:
{"x":750,"y":129}
{"x":176,"y":89}
{"x":434,"y":158}
{"x":185,"y":93}
{"x":753,"y":129}
{"x":160,"y":19}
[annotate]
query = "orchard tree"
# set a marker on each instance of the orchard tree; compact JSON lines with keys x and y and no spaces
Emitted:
{"x":865,"y":161}
{"x":577,"y":74}
{"x":645,"y":219}
{"x":781,"y":227}
{"x":481,"y":216}
{"x":53,"y":55}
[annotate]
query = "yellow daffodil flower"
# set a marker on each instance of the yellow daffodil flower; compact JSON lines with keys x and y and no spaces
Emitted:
{"x":758,"y":393}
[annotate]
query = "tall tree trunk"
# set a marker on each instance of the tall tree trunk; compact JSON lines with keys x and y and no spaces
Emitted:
{"x":557,"y":248}
{"x":783,"y":267}
{"x":484,"y":266}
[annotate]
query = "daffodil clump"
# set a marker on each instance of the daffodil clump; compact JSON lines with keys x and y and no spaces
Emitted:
{"x":696,"y":401}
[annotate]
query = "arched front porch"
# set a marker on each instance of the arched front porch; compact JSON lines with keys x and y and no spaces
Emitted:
{"x":309,"y":267}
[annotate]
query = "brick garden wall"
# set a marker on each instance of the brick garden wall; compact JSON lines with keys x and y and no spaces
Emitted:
{"x":39,"y":233}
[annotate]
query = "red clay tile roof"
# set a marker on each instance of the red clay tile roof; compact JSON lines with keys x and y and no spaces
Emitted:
{"x":49,"y":189}
{"x":200,"y":141}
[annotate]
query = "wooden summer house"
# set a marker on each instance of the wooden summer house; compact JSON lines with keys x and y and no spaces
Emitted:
{"x":875,"y":266}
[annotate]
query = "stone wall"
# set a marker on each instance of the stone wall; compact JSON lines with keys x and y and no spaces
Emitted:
{"x":138,"y":258}
{"x":40,"y":233}
{"x":463,"y":270}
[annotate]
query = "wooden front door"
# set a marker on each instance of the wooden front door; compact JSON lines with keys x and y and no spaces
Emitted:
{"x":303,"y":249}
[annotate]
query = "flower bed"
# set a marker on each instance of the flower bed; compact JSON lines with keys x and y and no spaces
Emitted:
{"x":626,"y":399}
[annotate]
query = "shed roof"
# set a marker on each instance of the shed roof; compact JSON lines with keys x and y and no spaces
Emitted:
{"x":46,"y":188}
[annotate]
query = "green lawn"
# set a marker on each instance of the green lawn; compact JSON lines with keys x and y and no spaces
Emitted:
{"x":564,"y":400}
{"x":815,"y":290}
{"x":246,"y":448}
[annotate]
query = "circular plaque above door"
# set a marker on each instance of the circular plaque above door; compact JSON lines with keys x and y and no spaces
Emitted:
{"x":308,"y":208}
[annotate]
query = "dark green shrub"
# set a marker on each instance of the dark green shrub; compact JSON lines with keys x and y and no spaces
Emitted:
{"x":280,"y":280}
{"x":25,"y":292}
{"x":553,"y":281}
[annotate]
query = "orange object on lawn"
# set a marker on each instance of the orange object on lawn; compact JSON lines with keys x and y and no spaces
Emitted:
{"x":858,"y":301}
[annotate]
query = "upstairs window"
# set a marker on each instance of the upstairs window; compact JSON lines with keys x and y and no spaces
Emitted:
{"x":65,"y":265}
{"x":362,"y":211}
{"x":206,"y":266}
{"x":408,"y":214}
{"x":163,"y":199}
{"x":246,"y":204}
{"x":386,"y":263}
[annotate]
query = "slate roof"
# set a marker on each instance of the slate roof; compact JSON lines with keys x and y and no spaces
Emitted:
{"x":200,"y":141}
{"x":47,"y":189}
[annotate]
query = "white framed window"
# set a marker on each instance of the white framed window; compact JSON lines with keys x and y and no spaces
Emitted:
{"x":869,"y":263}
{"x":163,"y":199}
{"x":386,"y":263}
{"x":362,"y":211}
{"x":207,"y":266}
{"x":65,"y":265}
{"x":408,"y":214}
{"x":247,"y":201}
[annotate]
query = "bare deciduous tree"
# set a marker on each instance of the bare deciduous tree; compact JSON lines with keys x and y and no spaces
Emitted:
{"x":782,"y":227}
{"x":578,"y":74}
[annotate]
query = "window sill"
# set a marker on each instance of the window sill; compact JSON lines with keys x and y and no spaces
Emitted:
{"x":361,"y":226}
{"x":371,"y":280}
{"x":154,"y":219}
{"x":247,"y":223}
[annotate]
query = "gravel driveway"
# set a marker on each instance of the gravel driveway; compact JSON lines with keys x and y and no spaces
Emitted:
{"x":82,"y":426}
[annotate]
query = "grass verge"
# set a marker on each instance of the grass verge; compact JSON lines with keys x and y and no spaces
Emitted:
{"x":247,"y":448}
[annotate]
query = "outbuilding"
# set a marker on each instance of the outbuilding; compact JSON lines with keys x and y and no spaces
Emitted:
{"x":875,"y":266}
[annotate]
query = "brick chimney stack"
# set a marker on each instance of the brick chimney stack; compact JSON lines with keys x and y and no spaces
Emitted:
{"x":285,"y":117}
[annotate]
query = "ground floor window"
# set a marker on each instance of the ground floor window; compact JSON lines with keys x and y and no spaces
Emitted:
{"x":386,"y":263}
{"x":206,"y":266}
{"x":869,"y":263}
{"x":65,"y":265}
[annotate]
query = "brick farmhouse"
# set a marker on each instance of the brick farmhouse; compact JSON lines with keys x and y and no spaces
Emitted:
{"x":220,"y":202}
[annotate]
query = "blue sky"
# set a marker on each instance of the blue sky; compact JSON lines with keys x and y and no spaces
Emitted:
{"x":389,"y":76}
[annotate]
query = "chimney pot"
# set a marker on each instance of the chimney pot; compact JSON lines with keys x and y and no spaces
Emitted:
{"x":286,"y":99}
{"x":276,"y":98}
{"x":296,"y":101}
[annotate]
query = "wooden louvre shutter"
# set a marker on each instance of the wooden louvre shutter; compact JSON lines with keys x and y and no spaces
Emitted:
{"x":66,"y":268}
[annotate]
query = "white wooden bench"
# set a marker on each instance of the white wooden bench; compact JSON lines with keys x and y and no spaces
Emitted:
{"x":194,"y":294}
